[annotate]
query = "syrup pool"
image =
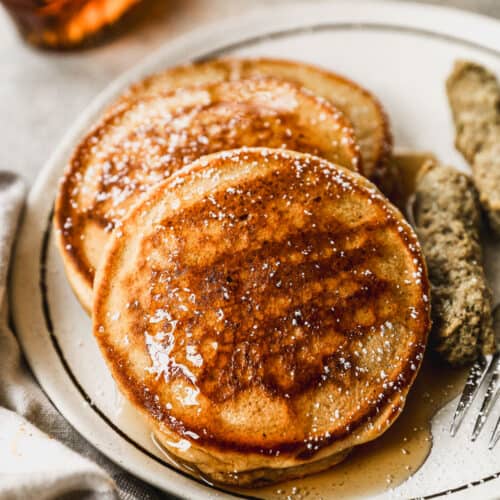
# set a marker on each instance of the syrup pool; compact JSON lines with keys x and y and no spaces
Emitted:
{"x":391,"y":459}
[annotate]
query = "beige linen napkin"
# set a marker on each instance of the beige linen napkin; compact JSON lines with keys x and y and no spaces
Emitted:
{"x":41,"y":455}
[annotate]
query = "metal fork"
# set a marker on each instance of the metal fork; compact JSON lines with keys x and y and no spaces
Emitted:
{"x":485,"y":368}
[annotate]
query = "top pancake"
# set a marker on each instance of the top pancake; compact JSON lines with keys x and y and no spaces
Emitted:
{"x":364,"y":111}
{"x":263,"y":308}
{"x":144,"y":141}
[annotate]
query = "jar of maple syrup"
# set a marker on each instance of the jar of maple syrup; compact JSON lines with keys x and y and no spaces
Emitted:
{"x":63,"y":24}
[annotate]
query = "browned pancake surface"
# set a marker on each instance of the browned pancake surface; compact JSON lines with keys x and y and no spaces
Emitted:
{"x":264,"y":303}
{"x":143,"y":142}
{"x":362,"y":108}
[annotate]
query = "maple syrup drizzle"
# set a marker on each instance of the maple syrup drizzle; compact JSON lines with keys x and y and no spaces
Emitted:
{"x":375,"y":467}
{"x":389,"y":460}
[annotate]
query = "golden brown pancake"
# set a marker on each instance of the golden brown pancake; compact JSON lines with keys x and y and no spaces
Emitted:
{"x":143,"y":142}
{"x":266,"y":311}
{"x":363,"y":109}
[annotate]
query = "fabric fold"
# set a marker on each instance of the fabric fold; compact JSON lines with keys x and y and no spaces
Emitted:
{"x":41,"y":455}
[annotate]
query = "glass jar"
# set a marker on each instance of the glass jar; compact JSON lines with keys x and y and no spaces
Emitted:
{"x":63,"y":24}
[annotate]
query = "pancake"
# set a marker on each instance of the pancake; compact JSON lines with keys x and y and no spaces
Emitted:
{"x":363,"y":109}
{"x":144,"y":141}
{"x":266,"y":311}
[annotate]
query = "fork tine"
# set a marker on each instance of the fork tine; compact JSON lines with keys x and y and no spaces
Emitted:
{"x":490,"y":396}
{"x":496,"y":434}
{"x":410,"y":214}
{"x":474,"y":380}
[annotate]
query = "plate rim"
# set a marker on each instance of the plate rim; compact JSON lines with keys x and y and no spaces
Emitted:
{"x":205,"y":41}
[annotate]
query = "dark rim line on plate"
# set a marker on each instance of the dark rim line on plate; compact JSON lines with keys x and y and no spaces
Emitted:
{"x":325,"y":27}
{"x":216,"y":53}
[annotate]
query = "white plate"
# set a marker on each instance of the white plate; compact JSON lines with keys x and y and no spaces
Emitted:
{"x":402,"y":52}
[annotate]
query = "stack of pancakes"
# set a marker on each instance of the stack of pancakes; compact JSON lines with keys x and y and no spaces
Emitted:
{"x":254,"y":294}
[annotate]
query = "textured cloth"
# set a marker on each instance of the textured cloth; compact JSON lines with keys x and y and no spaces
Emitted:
{"x":34,"y":462}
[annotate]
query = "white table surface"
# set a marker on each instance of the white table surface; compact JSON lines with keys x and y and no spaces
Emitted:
{"x":41,"y":93}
